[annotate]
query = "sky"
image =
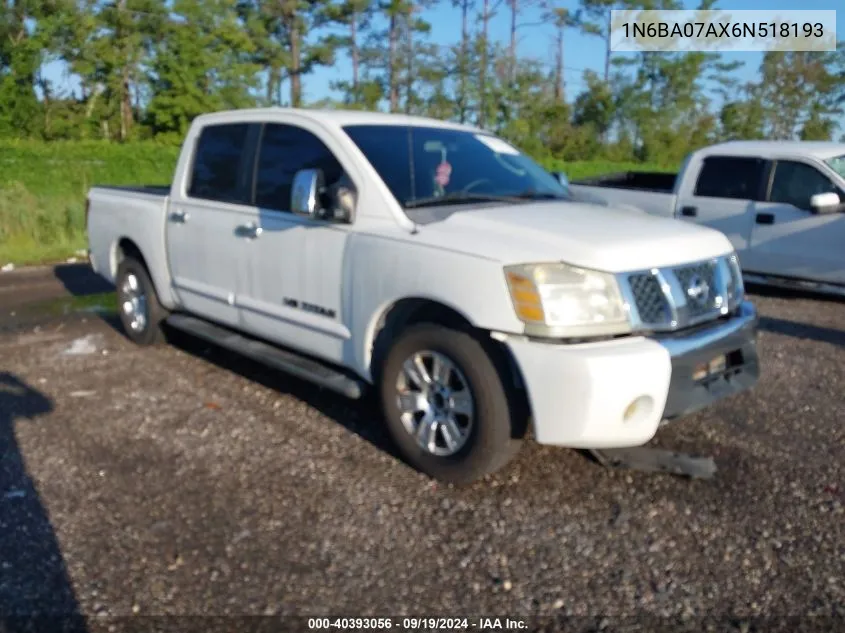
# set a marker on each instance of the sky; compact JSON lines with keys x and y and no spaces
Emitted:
{"x":581,"y":52}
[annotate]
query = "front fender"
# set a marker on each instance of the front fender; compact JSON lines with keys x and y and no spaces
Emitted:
{"x":471,"y":286}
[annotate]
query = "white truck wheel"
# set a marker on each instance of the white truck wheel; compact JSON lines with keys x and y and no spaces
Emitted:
{"x":140,"y":312}
{"x":445,"y":405}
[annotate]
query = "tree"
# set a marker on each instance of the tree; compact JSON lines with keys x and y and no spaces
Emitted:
{"x":356,"y":15}
{"x":20,"y":60}
{"x":597,"y":19}
{"x":562,"y":19}
{"x":595,"y":106}
{"x":797,"y":88}
{"x":743,"y":116}
{"x":463,"y":60}
{"x":288,"y":38}
{"x":203,"y":63}
{"x":111,"y":47}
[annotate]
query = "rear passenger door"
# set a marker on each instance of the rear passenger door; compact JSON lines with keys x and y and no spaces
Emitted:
{"x":205,"y":257}
{"x":723,"y":196}
{"x":789,"y":239}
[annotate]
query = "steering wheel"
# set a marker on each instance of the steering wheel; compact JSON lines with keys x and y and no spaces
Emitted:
{"x":474,"y":184}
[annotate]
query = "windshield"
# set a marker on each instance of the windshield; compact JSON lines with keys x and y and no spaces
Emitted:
{"x":837,"y":164}
{"x":428,"y":165}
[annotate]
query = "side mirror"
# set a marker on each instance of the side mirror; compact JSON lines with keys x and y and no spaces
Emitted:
{"x":305,"y":192}
{"x":825,"y":203}
{"x":562,"y":178}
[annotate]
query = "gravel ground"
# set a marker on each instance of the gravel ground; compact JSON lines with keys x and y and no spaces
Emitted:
{"x":185,"y":480}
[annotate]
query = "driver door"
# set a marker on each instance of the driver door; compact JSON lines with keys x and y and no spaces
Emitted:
{"x":294,"y":296}
{"x":788,"y":238}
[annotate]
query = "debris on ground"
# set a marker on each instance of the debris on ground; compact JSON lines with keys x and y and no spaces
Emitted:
{"x":82,"y":346}
{"x":648,"y":459}
{"x":8,"y":268}
{"x":82,"y":394}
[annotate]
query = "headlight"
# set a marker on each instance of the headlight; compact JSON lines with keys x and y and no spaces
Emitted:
{"x":738,"y":293}
{"x":557,"y":299}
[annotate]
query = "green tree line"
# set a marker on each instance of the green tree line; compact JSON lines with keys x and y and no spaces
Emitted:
{"x":146,"y":68}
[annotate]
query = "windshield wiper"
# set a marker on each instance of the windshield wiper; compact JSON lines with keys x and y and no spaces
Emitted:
{"x":537,"y":195}
{"x":458,"y":197}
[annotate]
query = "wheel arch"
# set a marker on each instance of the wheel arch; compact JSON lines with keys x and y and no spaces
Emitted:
{"x":125,"y":247}
{"x":401,"y":314}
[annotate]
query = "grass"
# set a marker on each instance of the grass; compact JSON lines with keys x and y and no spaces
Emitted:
{"x":103,"y":304}
{"x":43,"y":188}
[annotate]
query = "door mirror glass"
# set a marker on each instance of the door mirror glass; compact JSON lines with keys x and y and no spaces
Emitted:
{"x":341,"y":201}
{"x":305,"y":192}
{"x":825,"y":202}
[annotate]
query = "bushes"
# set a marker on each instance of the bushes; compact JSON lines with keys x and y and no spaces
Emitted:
{"x":43,"y":188}
{"x":591,"y":168}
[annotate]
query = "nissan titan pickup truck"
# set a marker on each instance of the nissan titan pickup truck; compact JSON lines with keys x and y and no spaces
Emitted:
{"x":437,"y":267}
{"x":780,"y":203}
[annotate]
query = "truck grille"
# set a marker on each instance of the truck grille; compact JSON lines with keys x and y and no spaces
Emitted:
{"x":682,"y":296}
{"x":651,"y":303}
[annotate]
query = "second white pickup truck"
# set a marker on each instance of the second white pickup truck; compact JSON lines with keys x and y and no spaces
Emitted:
{"x":781,"y":204}
{"x":437,"y":264}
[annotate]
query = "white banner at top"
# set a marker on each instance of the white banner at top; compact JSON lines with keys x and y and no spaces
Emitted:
{"x":722,"y":30}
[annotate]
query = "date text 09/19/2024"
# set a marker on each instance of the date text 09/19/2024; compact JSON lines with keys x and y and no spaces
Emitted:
{"x":418,"y":623}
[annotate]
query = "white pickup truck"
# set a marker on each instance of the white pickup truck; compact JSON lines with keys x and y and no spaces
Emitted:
{"x":781,"y":204}
{"x":438,"y":264}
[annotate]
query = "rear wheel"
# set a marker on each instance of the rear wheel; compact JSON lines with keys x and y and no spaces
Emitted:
{"x":140,"y":312}
{"x":445,"y":405}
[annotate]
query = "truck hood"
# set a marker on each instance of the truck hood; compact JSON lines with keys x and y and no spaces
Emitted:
{"x":590,"y":236}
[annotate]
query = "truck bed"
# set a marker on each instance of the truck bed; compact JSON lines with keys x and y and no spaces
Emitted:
{"x":639,"y":180}
{"x":155,"y":190}
{"x":137,"y":213}
{"x":651,"y":192}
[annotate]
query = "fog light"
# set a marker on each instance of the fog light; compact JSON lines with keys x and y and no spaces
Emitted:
{"x":700,"y":372}
{"x":638,"y":408}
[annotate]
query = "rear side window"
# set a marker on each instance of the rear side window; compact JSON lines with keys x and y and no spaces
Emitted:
{"x":217,"y":171}
{"x":285,"y":149}
{"x":729,"y":177}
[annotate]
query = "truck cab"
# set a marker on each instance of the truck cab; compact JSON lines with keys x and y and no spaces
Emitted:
{"x":781,"y":204}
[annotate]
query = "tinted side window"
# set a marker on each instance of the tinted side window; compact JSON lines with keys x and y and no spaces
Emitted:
{"x":794,"y":183}
{"x":217,"y":164}
{"x":285,"y":149}
{"x":729,"y":177}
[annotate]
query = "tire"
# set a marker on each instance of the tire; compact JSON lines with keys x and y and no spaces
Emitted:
{"x":487,"y":442}
{"x":135,"y":287}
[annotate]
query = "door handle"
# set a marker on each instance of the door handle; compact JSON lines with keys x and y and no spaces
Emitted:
{"x":250,"y":230}
{"x":765,"y":218}
{"x":180,"y":216}
{"x":689,"y":212}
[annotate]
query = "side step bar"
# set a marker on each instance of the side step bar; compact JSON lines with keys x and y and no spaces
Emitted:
{"x":794,"y":284}
{"x":289,"y":362}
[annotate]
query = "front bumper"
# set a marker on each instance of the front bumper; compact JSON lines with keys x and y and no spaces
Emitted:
{"x":736,"y":340}
{"x":584,"y":395}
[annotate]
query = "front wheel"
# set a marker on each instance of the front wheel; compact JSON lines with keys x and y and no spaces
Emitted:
{"x":445,"y":405}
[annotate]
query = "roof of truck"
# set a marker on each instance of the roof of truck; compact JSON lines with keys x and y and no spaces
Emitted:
{"x":336,"y":117}
{"x":817,"y":149}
